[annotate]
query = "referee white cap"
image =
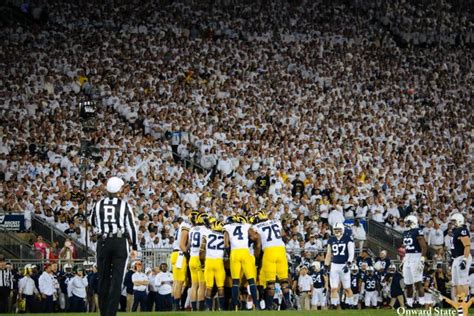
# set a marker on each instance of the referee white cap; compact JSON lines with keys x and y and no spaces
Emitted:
{"x":114,"y":184}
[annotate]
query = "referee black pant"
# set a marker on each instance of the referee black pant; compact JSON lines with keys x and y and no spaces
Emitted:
{"x":4,"y":297}
{"x":112,"y":255}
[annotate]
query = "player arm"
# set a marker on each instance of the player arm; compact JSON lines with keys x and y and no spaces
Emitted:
{"x":467,"y":246}
{"x":351,"y":250}
{"x":183,"y":243}
{"x":255,"y":237}
{"x":327,"y":260}
{"x":131,"y":228}
{"x":202,"y":250}
{"x":424,"y":246}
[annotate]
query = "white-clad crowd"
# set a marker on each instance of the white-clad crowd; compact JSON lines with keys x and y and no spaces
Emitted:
{"x":311,"y":111}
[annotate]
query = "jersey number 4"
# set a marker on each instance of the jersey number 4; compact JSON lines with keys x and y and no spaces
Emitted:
{"x":339,"y":249}
{"x":238,"y":233}
{"x":276,"y":232}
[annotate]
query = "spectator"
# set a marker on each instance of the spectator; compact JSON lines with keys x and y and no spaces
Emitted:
{"x":164,"y":282}
{"x":41,"y":246}
{"x":77,"y":288}
{"x":47,"y":289}
{"x":140,"y":285}
{"x":305,"y":288}
{"x":359,"y":235}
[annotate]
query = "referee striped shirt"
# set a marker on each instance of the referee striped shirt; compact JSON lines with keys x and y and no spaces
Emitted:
{"x":6,"y":279}
{"x":112,"y":215}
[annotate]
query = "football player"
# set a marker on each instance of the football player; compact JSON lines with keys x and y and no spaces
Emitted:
{"x":179,"y":261}
{"x":274,"y":261}
{"x":320,"y":286}
{"x":340,"y":255}
{"x":428,"y":283}
{"x":394,"y":278}
{"x":198,"y":283}
{"x":214,"y":271}
{"x":355,"y":286}
{"x":461,"y":255}
{"x":384,"y":260}
{"x":371,"y":287}
{"x":236,"y":241}
{"x":414,"y":261}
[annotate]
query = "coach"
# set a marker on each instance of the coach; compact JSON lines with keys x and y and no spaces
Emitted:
{"x":114,"y":223}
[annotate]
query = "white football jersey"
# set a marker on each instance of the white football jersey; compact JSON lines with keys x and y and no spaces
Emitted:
{"x":270,"y":233}
{"x":177,"y":235}
{"x":238,"y":235}
{"x":195,"y":239}
{"x":214,"y":245}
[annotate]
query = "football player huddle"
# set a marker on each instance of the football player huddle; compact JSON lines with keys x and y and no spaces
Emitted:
{"x":242,"y":264}
{"x":229,"y":260}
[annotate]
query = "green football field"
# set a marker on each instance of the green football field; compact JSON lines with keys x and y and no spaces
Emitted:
{"x":365,"y":312}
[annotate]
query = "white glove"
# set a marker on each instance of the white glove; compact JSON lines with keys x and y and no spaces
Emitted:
{"x":421,"y":265}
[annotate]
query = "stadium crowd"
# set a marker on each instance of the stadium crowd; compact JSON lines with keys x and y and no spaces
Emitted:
{"x":314,"y":112}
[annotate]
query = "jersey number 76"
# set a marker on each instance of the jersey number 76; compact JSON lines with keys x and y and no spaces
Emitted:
{"x":275,"y":229}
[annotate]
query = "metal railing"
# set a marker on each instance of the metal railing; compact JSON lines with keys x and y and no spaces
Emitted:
{"x":51,"y":233}
{"x":387,"y":235}
{"x":17,"y":247}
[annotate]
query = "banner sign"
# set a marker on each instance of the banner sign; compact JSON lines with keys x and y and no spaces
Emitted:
{"x":12,"y":222}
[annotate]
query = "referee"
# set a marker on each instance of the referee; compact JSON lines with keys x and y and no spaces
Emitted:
{"x":6,"y":285}
{"x":114,"y":223}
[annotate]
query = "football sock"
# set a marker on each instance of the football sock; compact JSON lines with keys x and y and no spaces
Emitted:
{"x":268,"y":301}
{"x":286,"y":296}
{"x":235,"y":293}
{"x":410,"y":301}
{"x":202,"y":305}
{"x":253,"y":292}
{"x":194,"y":305}
{"x":421,"y":300}
{"x":221,"y":302}
{"x":334,"y":301}
{"x":209,"y":303}
{"x":177,"y":303}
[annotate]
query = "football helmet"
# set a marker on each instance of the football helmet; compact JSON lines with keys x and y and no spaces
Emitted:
{"x":209,"y":220}
{"x":67,"y":266}
{"x":193,"y":217}
{"x":258,"y":217}
{"x":217,"y":226}
{"x":378,"y":266}
{"x":411,"y":221}
{"x":392,"y":268}
{"x":354,"y":268}
{"x":316,"y":266}
{"x":458,"y":219}
{"x":338,"y":230}
{"x":236,"y":219}
{"x":201,"y":218}
{"x":370,"y":270}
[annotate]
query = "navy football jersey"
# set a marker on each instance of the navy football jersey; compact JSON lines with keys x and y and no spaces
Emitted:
{"x":385,"y":263}
{"x":457,"y":248}
{"x":410,"y":242}
{"x":318,"y":279}
{"x":340,"y":249}
{"x":370,"y":283}
{"x":355,"y":283}
{"x":428,"y":278}
{"x":361,"y":260}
